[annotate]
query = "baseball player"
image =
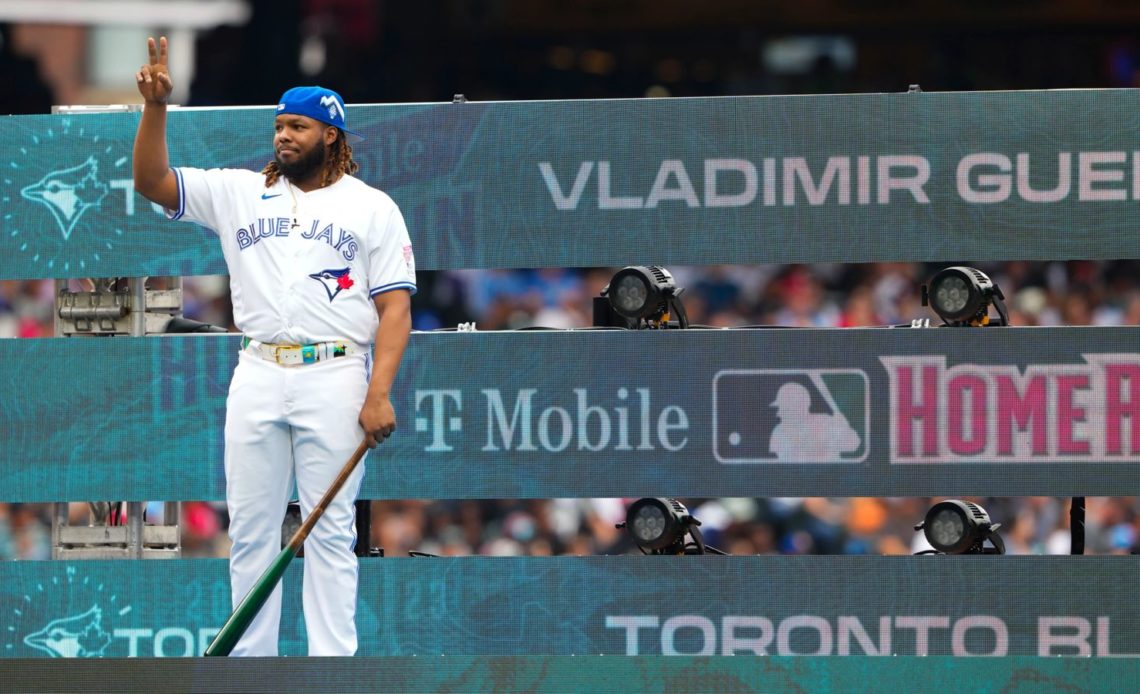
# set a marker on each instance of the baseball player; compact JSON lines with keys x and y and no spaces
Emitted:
{"x":321,"y":276}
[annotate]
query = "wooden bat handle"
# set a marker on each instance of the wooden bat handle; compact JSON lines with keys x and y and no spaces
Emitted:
{"x":298,"y":538}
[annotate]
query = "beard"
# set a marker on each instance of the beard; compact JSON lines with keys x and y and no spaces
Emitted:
{"x":305,"y":165}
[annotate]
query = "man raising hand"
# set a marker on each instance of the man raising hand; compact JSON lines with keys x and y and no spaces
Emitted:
{"x":321,"y":274}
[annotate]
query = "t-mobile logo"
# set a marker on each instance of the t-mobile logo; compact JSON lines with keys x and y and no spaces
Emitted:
{"x":443,"y":408}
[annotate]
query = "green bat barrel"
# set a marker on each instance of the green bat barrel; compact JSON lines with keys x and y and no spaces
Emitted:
{"x":239,"y":621}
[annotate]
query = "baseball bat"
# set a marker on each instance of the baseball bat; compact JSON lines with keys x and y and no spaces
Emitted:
{"x":240,"y":620}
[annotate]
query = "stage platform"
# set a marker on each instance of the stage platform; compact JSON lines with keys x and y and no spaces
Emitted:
{"x":574,"y":674}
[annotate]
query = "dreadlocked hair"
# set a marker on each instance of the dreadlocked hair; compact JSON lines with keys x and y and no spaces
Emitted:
{"x":339,"y":161}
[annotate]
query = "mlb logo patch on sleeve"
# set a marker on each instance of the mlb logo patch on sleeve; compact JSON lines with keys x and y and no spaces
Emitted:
{"x":410,"y":260}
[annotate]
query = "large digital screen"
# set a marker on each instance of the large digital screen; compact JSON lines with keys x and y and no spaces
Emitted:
{"x":584,"y":413}
{"x":1048,"y":175}
{"x":604,"y":605}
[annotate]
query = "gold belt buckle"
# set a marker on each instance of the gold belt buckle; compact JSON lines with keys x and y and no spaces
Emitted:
{"x":287,"y":352}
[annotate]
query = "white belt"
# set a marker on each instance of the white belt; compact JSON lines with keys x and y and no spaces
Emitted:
{"x":298,"y":355}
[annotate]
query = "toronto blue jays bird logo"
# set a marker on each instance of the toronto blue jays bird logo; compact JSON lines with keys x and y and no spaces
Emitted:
{"x":35,"y":623}
{"x":68,"y":193}
{"x":78,"y":636}
{"x":333,"y":281}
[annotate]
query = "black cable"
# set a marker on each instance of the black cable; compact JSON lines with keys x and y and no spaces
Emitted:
{"x":695,"y":533}
{"x":1077,"y":525}
{"x":679,"y":310}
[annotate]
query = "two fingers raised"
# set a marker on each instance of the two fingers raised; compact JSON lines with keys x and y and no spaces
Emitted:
{"x":158,"y":52}
{"x":156,"y":70}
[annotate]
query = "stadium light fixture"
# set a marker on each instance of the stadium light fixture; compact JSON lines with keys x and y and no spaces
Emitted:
{"x":962,"y":296}
{"x":642,"y":296}
{"x":660,"y":526}
{"x":960,"y":527}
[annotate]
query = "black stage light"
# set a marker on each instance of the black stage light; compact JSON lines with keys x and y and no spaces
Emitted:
{"x":962,"y":296}
{"x":655,"y":524}
{"x":645,"y":296}
{"x":960,"y":527}
{"x":659,"y":526}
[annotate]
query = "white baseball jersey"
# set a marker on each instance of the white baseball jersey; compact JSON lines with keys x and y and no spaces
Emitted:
{"x":303,"y":266}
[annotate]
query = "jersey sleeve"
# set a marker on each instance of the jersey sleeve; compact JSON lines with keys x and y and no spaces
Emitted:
{"x":202,"y":195}
{"x":391,"y":263}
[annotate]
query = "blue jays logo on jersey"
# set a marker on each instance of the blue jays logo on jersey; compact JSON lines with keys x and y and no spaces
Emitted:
{"x":334,"y":281}
{"x":68,"y":193}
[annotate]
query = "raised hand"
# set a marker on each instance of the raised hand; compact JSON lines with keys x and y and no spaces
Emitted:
{"x":154,"y":79}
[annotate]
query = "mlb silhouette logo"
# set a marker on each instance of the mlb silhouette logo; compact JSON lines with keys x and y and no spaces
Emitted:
{"x":791,"y":416}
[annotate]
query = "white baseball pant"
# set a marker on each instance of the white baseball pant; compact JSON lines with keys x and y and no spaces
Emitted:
{"x":286,"y":424}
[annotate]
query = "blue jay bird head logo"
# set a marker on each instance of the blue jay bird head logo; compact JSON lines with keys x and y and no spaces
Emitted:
{"x":36,"y":627}
{"x":78,"y":636}
{"x":68,"y":193}
{"x":334,"y":281}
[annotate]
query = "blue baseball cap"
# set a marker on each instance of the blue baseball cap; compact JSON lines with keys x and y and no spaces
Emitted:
{"x":318,"y":103}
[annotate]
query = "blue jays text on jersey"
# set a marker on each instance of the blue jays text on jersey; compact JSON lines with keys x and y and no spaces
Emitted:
{"x":342,"y":240}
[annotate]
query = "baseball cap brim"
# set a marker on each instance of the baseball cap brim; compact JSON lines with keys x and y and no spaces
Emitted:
{"x":352,"y":136}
